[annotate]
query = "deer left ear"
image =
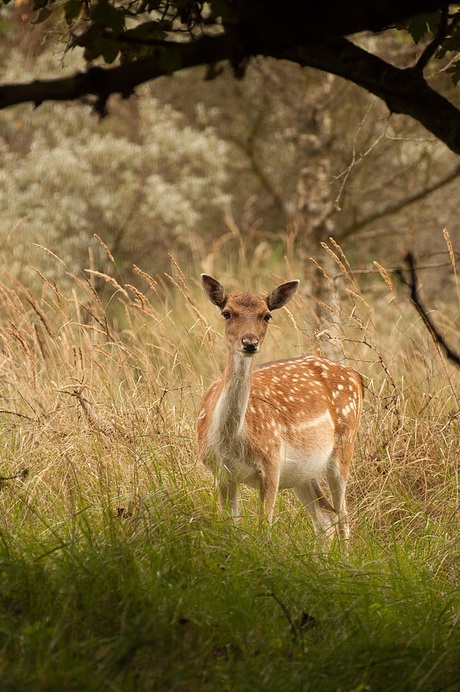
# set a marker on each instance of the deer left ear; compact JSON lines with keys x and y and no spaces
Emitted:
{"x":281,"y":295}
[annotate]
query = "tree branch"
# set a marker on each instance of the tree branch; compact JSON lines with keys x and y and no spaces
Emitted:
{"x":404,"y":91}
{"x":124,"y":78}
{"x":414,"y":288}
{"x":399,"y":205}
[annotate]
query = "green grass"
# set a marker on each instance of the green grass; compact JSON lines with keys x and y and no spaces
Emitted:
{"x":175,"y":597}
{"x":118,"y":570}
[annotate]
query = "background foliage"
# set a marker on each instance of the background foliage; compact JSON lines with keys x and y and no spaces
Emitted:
{"x":286,"y":155}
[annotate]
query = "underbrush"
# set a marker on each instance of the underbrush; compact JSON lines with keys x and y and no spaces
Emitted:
{"x":117,"y":567}
{"x":176,"y":598}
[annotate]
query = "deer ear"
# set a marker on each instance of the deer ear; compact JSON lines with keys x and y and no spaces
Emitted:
{"x":214,"y":290}
{"x":281,"y":295}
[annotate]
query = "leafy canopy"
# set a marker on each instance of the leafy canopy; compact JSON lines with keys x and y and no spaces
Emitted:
{"x":140,"y":40}
{"x":128,"y":30}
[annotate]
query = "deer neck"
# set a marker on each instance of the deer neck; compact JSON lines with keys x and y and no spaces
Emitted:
{"x":233,"y":399}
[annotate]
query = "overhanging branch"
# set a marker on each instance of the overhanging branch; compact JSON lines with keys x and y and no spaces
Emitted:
{"x":404,"y":91}
{"x":101,"y":82}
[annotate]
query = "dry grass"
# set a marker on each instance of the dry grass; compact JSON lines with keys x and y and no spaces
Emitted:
{"x":117,"y":523}
{"x":98,"y":397}
{"x":91,"y":403}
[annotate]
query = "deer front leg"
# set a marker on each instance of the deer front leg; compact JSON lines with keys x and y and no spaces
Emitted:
{"x":229,"y":496}
{"x":269,"y":484}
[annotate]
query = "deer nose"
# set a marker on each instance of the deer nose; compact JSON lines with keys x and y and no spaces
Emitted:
{"x":250,"y":344}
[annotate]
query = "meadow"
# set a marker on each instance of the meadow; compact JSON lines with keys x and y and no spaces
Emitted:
{"x":118,"y":569}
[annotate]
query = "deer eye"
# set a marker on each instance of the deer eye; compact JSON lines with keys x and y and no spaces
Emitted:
{"x":226,"y":314}
{"x":267,"y":317}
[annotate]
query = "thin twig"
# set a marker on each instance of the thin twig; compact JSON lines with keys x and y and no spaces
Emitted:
{"x":395,"y":207}
{"x":286,"y":613}
{"x":23,"y":473}
{"x":413,"y":285}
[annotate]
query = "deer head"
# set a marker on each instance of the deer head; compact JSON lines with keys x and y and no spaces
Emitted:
{"x":246,"y":314}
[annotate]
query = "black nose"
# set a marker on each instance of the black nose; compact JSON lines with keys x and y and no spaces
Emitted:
{"x":250,"y":345}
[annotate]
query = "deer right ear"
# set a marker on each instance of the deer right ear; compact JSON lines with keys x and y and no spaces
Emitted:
{"x":214,"y":290}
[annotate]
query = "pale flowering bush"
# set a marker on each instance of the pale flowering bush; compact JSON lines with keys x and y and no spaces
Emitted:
{"x":145,"y":180}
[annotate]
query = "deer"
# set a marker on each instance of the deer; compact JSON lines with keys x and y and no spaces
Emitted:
{"x":284,"y":424}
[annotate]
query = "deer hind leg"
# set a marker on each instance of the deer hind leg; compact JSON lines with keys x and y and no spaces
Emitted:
{"x":321,"y":513}
{"x":337,"y":476}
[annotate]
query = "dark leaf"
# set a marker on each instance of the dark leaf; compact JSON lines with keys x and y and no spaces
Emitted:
{"x":42,"y":16}
{"x":153,"y":5}
{"x":103,"y":13}
{"x":225,"y":11}
{"x":72,"y":9}
{"x":109,"y":49}
{"x":39,"y":4}
{"x":145,"y":31}
{"x":450,"y":43}
{"x":422,"y":24}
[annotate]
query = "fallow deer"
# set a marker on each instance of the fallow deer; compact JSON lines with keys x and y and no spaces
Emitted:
{"x":282,"y":424}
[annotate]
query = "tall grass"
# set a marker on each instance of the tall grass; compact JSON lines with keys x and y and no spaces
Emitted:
{"x":117,"y":568}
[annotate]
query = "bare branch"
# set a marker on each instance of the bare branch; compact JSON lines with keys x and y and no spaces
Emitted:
{"x":414,"y":288}
{"x":403,"y":90}
{"x":398,"y":206}
{"x":122,"y":79}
